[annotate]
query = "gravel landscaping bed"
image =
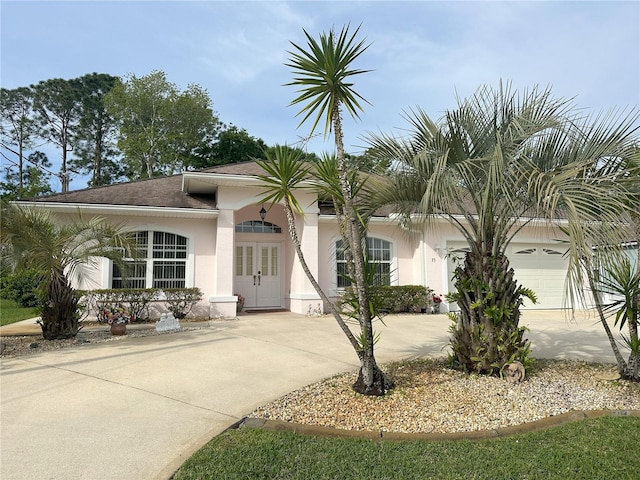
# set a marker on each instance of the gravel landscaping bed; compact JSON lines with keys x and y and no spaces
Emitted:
{"x":16,"y":346}
{"x":431,"y":398}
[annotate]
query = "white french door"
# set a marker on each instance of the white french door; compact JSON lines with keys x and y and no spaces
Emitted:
{"x":257,"y":268}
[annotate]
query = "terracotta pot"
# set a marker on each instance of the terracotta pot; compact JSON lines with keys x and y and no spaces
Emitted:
{"x":118,"y":329}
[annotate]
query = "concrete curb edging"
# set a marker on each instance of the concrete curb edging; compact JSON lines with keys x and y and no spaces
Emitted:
{"x":542,"y":424}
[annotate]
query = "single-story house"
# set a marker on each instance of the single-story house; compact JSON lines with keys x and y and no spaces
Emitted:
{"x":207,"y":229}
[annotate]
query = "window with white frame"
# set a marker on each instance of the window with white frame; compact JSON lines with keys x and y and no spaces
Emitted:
{"x":258,"y":226}
{"x":379,"y":258}
{"x":162,"y":262}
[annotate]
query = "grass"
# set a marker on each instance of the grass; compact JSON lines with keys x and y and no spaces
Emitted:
{"x":601,"y":448}
{"x":10,"y":312}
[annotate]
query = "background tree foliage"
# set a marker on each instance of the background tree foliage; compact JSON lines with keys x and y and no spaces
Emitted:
{"x":110,"y":129}
{"x":68,"y":114}
{"x":30,"y":181}
{"x":57,"y":104}
{"x":95,"y":149}
{"x":232,"y":145}
{"x":161,"y":130}
{"x":18,"y":131}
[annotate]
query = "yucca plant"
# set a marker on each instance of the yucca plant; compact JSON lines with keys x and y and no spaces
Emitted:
{"x":616,"y":288}
{"x":323,"y":71}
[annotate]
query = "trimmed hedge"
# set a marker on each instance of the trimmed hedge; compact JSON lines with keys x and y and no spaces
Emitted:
{"x":393,"y":298}
{"x":178,"y":301}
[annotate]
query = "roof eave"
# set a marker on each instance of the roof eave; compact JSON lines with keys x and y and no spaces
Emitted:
{"x":124,"y":210}
{"x":208,"y":183}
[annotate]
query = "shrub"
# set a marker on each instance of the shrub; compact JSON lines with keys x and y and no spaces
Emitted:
{"x":180,"y":301}
{"x":392,"y":298}
{"x":139,"y":300}
{"x":405,"y":298}
{"x":22,"y":287}
{"x":136,"y":301}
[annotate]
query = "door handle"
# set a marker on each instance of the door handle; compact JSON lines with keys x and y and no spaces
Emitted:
{"x":254,"y":280}
{"x":259,"y":277}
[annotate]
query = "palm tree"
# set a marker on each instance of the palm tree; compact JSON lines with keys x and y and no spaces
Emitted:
{"x":619,"y":279}
{"x":490,"y":167}
{"x":32,"y":238}
{"x":323,"y":71}
{"x":615,"y":281}
{"x":284,"y":174}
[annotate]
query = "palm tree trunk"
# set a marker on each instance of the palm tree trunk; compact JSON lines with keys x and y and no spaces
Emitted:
{"x":371,"y":379}
{"x":633,"y":370}
{"x":633,"y":364}
{"x":59,"y":314}
{"x":293,"y":234}
{"x":487,"y":336}
{"x":622,"y":365}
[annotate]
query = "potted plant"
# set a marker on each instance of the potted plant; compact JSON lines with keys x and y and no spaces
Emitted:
{"x":437,"y":300}
{"x":118,"y":318}
{"x":240,"y":303}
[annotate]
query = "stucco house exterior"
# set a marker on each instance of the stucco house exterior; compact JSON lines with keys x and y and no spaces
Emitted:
{"x":204,"y":229}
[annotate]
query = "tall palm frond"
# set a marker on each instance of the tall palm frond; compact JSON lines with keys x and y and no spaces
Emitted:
{"x":321,"y":72}
{"x":284,"y":173}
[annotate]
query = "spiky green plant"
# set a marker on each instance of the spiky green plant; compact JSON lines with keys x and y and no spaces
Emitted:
{"x":499,"y":161}
{"x":32,"y":238}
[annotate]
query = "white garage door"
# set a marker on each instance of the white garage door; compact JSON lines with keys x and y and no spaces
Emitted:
{"x":540,"y":267}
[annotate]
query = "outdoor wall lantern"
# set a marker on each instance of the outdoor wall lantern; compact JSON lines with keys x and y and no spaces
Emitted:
{"x":263,"y":213}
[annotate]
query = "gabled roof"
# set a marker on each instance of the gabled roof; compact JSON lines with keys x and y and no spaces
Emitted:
{"x":152,"y":192}
{"x":193,"y":190}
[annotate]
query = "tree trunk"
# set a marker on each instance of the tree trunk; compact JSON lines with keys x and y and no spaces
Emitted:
{"x":622,"y":365}
{"x":487,"y":336}
{"x":371,"y":380}
{"x":377,"y":383}
{"x":632,"y":371}
{"x":59,"y":314}
{"x":293,"y":234}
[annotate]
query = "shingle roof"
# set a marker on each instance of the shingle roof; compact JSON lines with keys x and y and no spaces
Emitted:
{"x":154,"y":192}
{"x":162,"y":192}
{"x":242,"y":168}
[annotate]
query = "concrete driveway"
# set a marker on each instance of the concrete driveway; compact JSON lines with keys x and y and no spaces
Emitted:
{"x":137,"y":408}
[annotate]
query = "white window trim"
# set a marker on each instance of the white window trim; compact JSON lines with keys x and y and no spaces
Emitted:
{"x":189,"y":274}
{"x":393,"y":264}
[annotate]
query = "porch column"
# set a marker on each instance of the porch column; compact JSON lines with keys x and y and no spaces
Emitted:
{"x":223,"y":302}
{"x":303,"y":298}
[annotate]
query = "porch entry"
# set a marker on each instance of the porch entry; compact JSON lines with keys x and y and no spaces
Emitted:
{"x":257,"y":278}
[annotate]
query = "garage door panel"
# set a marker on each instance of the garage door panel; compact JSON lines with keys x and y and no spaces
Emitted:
{"x":539,"y":267}
{"x":542,"y":269}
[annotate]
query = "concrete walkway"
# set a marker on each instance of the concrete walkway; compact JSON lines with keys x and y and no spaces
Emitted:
{"x":137,"y":408}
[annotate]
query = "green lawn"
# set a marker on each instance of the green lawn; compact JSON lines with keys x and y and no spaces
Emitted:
{"x":602,"y":448}
{"x":11,"y":313}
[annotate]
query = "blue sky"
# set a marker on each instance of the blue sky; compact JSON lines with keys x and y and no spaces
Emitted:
{"x":423,"y":53}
